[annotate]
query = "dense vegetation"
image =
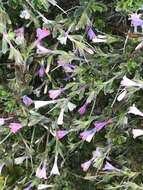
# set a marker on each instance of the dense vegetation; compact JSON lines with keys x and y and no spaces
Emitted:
{"x":71,"y":81}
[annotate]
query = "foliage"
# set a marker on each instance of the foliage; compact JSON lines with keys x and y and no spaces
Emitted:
{"x":88,"y":49}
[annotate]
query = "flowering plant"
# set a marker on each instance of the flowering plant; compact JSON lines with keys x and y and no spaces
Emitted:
{"x":71,"y":95}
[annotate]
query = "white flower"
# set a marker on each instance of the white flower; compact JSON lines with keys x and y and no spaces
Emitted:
{"x":137,"y":133}
{"x":25,"y":14}
{"x":139,"y":46}
{"x":55,"y":170}
{"x":134,"y":110}
{"x":122,"y":95}
{"x":61,"y":117}
{"x":100,"y":39}
{"x":38,"y":104}
{"x":2,"y":121}
{"x":126,"y":82}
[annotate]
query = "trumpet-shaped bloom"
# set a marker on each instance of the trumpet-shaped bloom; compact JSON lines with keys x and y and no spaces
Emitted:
{"x":126,"y":82}
{"x":61,"y":133}
{"x":27,"y":101}
{"x":85,"y":166}
{"x":137,"y":132}
{"x":42,"y":33}
{"x":15,"y":127}
{"x":109,"y":167}
{"x":53,"y":94}
{"x":61,"y":117}
{"x":41,"y":49}
{"x":95,"y":155}
{"x":41,"y":71}
{"x":41,"y":171}
{"x":83,"y":108}
{"x":69,"y":68}
{"x":1,"y":167}
{"x":90,"y":33}
{"x":55,"y":170}
{"x":134,"y":110}
{"x":88,"y":135}
{"x":100,"y":39}
{"x":135,"y":20}
{"x":100,"y":125}
{"x":2,"y":121}
{"x":122,"y":95}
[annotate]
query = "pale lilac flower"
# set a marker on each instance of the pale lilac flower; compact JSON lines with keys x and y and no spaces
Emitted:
{"x":15,"y":127}
{"x":69,"y":68}
{"x":19,"y":34}
{"x":109,"y":167}
{"x":126,"y":82}
{"x":41,"y":71}
{"x":134,"y":110}
{"x":53,"y":94}
{"x":41,"y":171}
{"x":96,"y":154}
{"x":83,"y":108}
{"x":85,"y":166}
{"x":100,"y":125}
{"x":41,"y":49}
{"x":135,"y":20}
{"x":61,"y":133}
{"x":88,"y":135}
{"x":42,"y":33}
{"x":2,"y":121}
{"x":55,"y":170}
{"x":27,"y":101}
{"x":137,"y":132}
{"x":90,"y":33}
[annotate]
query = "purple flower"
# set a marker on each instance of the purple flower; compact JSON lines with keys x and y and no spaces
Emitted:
{"x":95,"y":155}
{"x":41,"y":171}
{"x":53,"y":94}
{"x":88,"y":135}
{"x":41,"y":71}
{"x":100,"y":125}
{"x":69,"y":68}
{"x":83,"y":108}
{"x":90,"y":33}
{"x":42,"y":33}
{"x":15,"y":127}
{"x":135,"y":20}
{"x":85,"y":166}
{"x":27,"y":101}
{"x":2,"y":121}
{"x":61,"y":133}
{"x":109,"y":167}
